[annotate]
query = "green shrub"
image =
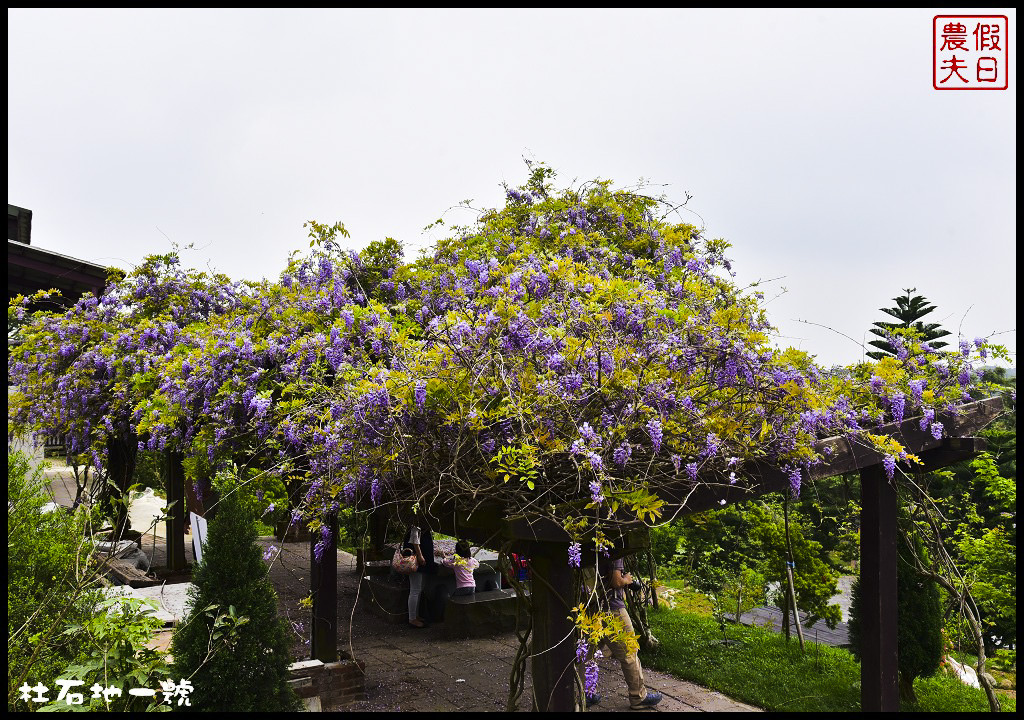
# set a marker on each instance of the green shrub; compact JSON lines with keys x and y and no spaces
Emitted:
{"x":58,"y":625}
{"x":233,"y":647}
{"x":44,"y":553}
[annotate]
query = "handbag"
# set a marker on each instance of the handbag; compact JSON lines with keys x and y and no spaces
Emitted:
{"x":404,"y":565}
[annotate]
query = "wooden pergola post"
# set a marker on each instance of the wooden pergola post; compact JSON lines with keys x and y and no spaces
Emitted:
{"x":174,"y":476}
{"x":879,"y":673}
{"x":554,"y":645}
{"x":323,"y":582}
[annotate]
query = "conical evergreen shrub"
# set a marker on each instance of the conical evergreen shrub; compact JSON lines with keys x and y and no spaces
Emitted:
{"x":246,"y":669}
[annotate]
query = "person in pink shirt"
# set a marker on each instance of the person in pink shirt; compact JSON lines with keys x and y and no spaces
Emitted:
{"x":463,"y":563}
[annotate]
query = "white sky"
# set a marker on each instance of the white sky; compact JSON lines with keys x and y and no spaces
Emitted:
{"x":811,"y":140}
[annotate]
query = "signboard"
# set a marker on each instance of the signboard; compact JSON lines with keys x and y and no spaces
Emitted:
{"x":198,"y":535}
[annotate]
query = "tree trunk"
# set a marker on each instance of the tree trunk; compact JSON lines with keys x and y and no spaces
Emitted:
{"x":907,"y":689}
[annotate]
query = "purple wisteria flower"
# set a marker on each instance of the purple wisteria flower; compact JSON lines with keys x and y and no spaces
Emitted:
{"x":927,"y":418}
{"x":259,"y":405}
{"x":691,"y":470}
{"x":937,"y":430}
{"x":270,"y":553}
{"x":322,"y":543}
{"x":794,"y":481}
{"x":590,"y":677}
{"x":575,"y":554}
{"x":917,"y":388}
{"x":712,"y":446}
{"x":595,"y":492}
{"x":876,"y":383}
{"x":897,"y":403}
{"x":654,"y":430}
{"x":622,"y":454}
{"x":890,"y":465}
{"x":420,"y":394}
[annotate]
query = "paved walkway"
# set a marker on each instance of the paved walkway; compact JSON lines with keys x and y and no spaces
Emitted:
{"x":411,"y":670}
{"x":420,"y":670}
{"x":819,"y":632}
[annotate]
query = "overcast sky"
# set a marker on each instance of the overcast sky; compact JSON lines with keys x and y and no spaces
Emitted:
{"x":812,"y":140}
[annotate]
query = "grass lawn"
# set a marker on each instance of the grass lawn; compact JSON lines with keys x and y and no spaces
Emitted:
{"x":762,"y":669}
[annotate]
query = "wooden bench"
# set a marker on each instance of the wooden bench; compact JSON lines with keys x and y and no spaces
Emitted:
{"x":483,"y":613}
{"x":124,"y":573}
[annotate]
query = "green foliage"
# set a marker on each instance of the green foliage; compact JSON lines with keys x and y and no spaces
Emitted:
{"x":57,"y":625}
{"x":909,"y":310}
{"x":233,"y":647}
{"x":716,"y":544}
{"x":824,"y":679}
{"x":44,"y":555}
{"x":830,"y":508}
{"x":992,"y":560}
{"x":149,"y":470}
{"x":517,"y":463}
{"x":117,"y":633}
{"x":732,"y":593}
{"x":814,"y":581}
{"x":668,"y":547}
{"x":919,"y":639}
{"x":262,"y":494}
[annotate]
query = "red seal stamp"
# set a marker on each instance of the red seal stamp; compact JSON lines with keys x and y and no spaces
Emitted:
{"x":970,"y":52}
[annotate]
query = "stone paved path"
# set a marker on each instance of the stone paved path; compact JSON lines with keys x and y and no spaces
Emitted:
{"x":411,"y":670}
{"x":420,"y":670}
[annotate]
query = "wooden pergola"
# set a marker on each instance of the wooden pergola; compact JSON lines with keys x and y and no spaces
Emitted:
{"x":546,"y":543}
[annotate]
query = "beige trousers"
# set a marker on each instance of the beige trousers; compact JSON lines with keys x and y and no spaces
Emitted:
{"x":630,"y":663}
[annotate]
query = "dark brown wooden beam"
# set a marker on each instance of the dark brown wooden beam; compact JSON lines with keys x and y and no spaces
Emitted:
{"x":879,"y":675}
{"x":844,"y":455}
{"x":952,"y":451}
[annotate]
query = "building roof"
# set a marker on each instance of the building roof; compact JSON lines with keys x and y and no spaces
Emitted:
{"x":31,"y":268}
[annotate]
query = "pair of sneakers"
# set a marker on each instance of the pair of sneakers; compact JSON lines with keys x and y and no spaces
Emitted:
{"x":652,"y":699}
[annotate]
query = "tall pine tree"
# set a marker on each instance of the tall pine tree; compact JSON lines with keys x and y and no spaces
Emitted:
{"x":244,"y":669}
{"x":909,"y":310}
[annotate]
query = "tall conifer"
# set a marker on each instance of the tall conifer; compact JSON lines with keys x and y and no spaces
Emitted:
{"x":248,"y":668}
{"x":909,"y":310}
